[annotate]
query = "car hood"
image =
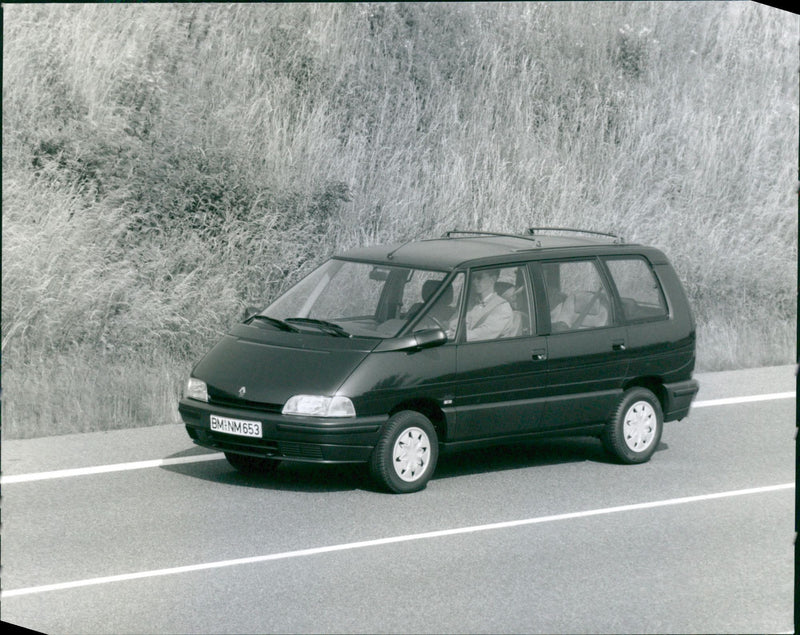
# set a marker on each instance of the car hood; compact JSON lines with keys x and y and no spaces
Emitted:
{"x":272,"y":366}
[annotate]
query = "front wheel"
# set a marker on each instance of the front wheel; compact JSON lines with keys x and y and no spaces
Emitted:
{"x":405,"y":457}
{"x":252,"y":464}
{"x":634,"y":431}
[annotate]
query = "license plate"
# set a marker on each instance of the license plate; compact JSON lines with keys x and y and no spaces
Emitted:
{"x":236,"y":426}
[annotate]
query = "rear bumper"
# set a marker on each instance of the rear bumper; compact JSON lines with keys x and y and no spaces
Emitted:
{"x":288,"y":438}
{"x":678,"y":399}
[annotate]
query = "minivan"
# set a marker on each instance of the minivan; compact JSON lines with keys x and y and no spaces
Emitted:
{"x":391,"y":355}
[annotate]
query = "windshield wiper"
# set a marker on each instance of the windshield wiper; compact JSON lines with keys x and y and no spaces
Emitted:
{"x":283,"y":326}
{"x":328,"y":327}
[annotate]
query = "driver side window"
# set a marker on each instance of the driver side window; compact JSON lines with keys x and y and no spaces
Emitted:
{"x":497,"y":304}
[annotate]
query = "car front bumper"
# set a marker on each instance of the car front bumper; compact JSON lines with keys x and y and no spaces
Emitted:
{"x":285,"y":437}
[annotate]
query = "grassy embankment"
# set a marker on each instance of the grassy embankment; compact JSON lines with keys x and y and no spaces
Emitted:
{"x":165,"y":166}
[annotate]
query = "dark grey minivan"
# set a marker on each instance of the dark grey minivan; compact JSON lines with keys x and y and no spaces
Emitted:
{"x":390,"y":355}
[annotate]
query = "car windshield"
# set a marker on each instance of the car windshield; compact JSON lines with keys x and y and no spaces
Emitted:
{"x":343,"y":298}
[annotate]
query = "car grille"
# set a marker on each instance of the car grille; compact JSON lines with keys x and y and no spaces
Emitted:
{"x":260,"y":447}
{"x":226,"y":442}
{"x":219,"y":398}
{"x":300,"y":450}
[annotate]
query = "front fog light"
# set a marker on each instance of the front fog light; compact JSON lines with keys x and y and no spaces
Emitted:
{"x":196,"y":389}
{"x":318,"y":406}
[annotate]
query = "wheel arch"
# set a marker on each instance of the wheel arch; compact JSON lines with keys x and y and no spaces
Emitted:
{"x":654,"y":384}
{"x":430,"y":409}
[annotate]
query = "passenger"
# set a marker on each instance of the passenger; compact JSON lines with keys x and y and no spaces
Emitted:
{"x":429,"y":287}
{"x":580,"y":310}
{"x":443,"y":310}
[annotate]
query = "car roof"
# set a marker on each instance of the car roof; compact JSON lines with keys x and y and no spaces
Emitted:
{"x":453,"y":251}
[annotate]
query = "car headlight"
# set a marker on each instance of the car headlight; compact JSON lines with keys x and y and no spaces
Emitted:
{"x":318,"y":406}
{"x":196,"y":389}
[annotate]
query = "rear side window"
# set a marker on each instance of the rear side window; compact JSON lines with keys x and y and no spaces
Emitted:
{"x":639,"y":291}
{"x":576,"y":294}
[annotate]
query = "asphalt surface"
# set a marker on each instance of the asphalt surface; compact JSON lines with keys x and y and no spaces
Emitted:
{"x":537,"y":538}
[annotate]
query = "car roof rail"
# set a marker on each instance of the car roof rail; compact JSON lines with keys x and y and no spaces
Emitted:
{"x":471,"y":232}
{"x":532,"y":231}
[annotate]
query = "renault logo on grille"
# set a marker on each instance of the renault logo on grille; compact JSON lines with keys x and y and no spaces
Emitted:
{"x":242,"y":390}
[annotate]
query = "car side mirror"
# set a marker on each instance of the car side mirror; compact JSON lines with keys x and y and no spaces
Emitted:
{"x":428,"y":338}
{"x":418,"y":340}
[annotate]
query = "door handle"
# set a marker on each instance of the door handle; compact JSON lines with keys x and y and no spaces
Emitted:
{"x":539,"y":355}
{"x":618,"y":346}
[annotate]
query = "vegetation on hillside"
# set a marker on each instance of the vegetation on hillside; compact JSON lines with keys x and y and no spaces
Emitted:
{"x":166,"y":165}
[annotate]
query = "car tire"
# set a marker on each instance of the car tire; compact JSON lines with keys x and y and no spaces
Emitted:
{"x":634,"y":431}
{"x":405,"y":456}
{"x":252,"y":464}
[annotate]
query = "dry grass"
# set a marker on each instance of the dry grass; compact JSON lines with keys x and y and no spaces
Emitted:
{"x":72,"y":392}
{"x":165,"y":166}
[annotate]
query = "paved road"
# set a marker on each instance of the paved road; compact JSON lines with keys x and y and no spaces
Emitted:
{"x":542,"y":537}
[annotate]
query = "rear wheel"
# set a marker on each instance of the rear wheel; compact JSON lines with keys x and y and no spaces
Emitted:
{"x":633,"y":433}
{"x":252,"y":464}
{"x":405,"y":457}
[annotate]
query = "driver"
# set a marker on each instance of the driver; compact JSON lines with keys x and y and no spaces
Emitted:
{"x":490,"y":315}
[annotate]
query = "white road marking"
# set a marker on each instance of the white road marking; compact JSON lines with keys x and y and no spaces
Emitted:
{"x":138,"y":465}
{"x":388,"y":541}
{"x":751,"y":398}
{"x":116,"y":467}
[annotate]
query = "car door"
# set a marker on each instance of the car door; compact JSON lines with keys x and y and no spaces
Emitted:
{"x":661,"y":332}
{"x":500,"y":360}
{"x":586,"y":346}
